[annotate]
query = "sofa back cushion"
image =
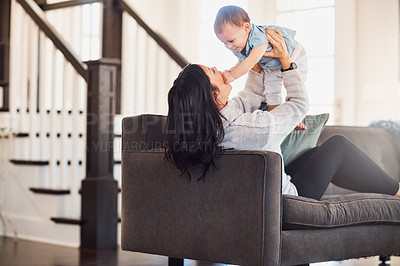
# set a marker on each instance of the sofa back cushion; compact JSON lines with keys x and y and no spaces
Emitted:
{"x":376,"y":142}
{"x":143,"y":132}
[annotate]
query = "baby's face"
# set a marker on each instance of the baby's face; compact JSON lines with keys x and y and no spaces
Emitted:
{"x":234,"y":37}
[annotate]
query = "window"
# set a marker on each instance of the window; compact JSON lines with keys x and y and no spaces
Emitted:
{"x":91,"y":32}
{"x":314,"y":21}
{"x":81,"y":27}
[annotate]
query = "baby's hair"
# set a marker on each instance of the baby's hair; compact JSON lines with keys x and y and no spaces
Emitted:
{"x":230,"y":14}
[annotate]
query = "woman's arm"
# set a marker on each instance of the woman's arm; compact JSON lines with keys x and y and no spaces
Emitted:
{"x":262,"y":128}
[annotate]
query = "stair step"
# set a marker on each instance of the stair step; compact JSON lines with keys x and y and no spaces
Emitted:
{"x":21,"y":135}
{"x":73,"y":221}
{"x":26,"y":134}
{"x":65,"y":220}
{"x":50,"y":191}
{"x":29,"y":162}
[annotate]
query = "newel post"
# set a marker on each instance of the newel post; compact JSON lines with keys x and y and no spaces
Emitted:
{"x":99,"y":211}
{"x":112,"y":40}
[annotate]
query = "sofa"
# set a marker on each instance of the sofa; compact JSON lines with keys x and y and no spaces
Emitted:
{"x":238,"y":214}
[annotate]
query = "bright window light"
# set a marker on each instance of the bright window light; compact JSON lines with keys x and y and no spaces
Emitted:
{"x":290,"y":5}
{"x":91,"y":19}
{"x":212,"y":52}
{"x":314,"y":22}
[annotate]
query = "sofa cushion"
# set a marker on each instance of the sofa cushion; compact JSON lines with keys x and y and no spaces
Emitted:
{"x":300,"y":141}
{"x":338,"y":211}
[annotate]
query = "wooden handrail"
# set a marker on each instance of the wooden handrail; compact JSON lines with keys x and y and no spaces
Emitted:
{"x":165,"y":45}
{"x":66,"y":4}
{"x":38,"y":16}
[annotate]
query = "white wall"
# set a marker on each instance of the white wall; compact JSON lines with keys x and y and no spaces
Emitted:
{"x":377,"y":62}
{"x":262,"y":12}
{"x":367,"y":61}
{"x":345,"y":61}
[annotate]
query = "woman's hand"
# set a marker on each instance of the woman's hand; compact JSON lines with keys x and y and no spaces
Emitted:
{"x":279,"y":48}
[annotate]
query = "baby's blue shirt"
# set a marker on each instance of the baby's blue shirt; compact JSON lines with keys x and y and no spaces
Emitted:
{"x":257,"y":37}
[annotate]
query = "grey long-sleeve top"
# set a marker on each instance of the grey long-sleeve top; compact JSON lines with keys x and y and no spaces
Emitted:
{"x":247,"y":128}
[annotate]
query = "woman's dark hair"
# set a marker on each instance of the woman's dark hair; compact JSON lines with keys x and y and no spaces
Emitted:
{"x":194,"y":125}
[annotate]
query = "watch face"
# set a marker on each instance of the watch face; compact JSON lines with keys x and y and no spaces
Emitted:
{"x":292,"y":66}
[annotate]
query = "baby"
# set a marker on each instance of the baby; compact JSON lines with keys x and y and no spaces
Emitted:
{"x":249,"y":43}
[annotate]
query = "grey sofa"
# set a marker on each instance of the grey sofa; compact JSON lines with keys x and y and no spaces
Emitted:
{"x":238,"y":215}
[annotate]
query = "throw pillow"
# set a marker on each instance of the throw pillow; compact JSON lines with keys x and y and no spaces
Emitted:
{"x":393,"y":126}
{"x":299,"y":141}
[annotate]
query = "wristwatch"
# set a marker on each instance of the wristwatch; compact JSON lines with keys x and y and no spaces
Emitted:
{"x":292,"y":66}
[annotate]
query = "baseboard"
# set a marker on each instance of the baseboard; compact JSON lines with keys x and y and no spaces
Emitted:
{"x":43,"y":240}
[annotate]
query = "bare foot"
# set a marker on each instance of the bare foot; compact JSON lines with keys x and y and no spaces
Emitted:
{"x":398,"y":193}
{"x":301,"y":126}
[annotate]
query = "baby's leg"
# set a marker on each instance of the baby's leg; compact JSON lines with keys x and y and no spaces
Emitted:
{"x":273,"y":92}
{"x":273,"y":87}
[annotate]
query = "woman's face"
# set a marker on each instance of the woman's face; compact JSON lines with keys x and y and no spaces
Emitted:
{"x":217,"y":81}
{"x":215,"y":76}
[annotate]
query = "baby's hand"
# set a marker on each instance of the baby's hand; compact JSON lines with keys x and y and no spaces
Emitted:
{"x":300,"y":126}
{"x":227,"y":76}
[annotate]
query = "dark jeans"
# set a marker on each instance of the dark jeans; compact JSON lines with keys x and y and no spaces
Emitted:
{"x":341,"y":162}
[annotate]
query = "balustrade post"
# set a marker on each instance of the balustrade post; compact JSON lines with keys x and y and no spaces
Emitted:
{"x":99,"y":211}
{"x":5,"y":14}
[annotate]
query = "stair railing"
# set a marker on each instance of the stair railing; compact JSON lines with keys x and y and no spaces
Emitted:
{"x":149,"y":65}
{"x":163,"y":43}
{"x":101,"y":79}
{"x":48,"y":104}
{"x":38,"y":16}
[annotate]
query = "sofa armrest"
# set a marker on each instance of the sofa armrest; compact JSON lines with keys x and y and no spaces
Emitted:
{"x":233,"y":216}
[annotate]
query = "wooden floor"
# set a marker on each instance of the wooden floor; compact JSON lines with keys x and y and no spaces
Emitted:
{"x":28,"y":253}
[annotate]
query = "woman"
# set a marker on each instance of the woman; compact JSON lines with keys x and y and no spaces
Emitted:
{"x":202,"y":122}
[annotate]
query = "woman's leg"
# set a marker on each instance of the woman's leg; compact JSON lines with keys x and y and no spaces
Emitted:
{"x":341,"y":162}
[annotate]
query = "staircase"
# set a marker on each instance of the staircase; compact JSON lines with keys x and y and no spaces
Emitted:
{"x":44,"y":149}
